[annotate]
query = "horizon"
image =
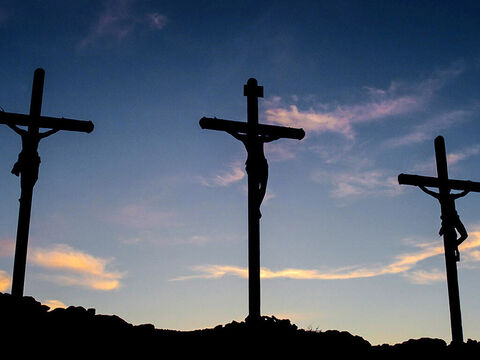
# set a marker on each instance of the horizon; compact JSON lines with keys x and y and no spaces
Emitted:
{"x":146,"y":217}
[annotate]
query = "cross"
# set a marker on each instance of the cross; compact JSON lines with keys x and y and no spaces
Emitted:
{"x":28,"y":164}
{"x":451,"y":224}
{"x":253,"y":135}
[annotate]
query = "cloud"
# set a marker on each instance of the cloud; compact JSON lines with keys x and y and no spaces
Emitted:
{"x":401,"y":264}
{"x":355,"y":184}
{"x":5,"y":281}
{"x":117,"y":20}
{"x":55,"y":304}
{"x":309,"y":120}
{"x":424,"y":277}
{"x":141,"y":216}
{"x":472,"y":256}
{"x":78,"y":268}
{"x":7,"y":247}
{"x":399,"y":98}
{"x":234,"y":174}
{"x":453,"y":158}
{"x":156,"y":20}
{"x":281,"y":151}
{"x":429,"y":129}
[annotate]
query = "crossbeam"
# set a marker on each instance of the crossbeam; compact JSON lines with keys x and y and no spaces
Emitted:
{"x":242,"y":127}
{"x":427,"y":181}
{"x":49,"y":122}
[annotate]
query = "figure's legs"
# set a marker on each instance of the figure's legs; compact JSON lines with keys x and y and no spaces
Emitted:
{"x":262,"y":186}
{"x":462,"y":231}
{"x":16,"y":169}
{"x":463,"y":235}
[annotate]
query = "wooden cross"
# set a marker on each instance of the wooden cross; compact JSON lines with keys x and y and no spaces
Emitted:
{"x":253,"y":135}
{"x":450,"y":224}
{"x":28,"y":164}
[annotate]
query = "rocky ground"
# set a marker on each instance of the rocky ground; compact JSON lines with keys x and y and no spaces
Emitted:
{"x":76,"y":331}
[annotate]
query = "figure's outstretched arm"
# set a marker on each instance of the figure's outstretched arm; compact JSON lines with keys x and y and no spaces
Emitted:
{"x":238,"y":136}
{"x":459,"y":195}
{"x":429,"y":192}
{"x":48,"y":133}
{"x":269,"y":138}
{"x":17,"y":129}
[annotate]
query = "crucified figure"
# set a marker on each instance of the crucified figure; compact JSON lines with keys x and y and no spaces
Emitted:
{"x":28,"y":159}
{"x":256,"y":161}
{"x":453,"y":219}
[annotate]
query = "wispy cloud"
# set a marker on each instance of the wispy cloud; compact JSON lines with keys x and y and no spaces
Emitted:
{"x":453,"y":158}
{"x":5,"y":281}
{"x":156,"y":20}
{"x":402,"y":264}
{"x":310,"y":120}
{"x":77,"y":267}
{"x":399,"y":98}
{"x":429,"y":129}
{"x":143,"y":216}
{"x":119,"y":19}
{"x":233,"y":174}
{"x":281,"y":151}
{"x":424,"y":277}
{"x":7,"y":247}
{"x":356,"y":184}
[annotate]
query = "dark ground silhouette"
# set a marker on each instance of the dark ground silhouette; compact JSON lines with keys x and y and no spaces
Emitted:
{"x":76,"y":330}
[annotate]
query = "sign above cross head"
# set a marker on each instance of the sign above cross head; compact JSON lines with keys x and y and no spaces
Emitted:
{"x":252,"y":89}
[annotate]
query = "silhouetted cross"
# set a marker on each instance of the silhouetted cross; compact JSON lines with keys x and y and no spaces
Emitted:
{"x":253,"y":135}
{"x":450,"y":223}
{"x":28,"y":164}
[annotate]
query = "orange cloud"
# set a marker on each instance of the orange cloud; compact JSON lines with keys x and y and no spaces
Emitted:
{"x":402,"y":264}
{"x":426,"y":277}
{"x":82,"y":269}
{"x":54,"y":304}
{"x":7,"y":247}
{"x":5,"y":281}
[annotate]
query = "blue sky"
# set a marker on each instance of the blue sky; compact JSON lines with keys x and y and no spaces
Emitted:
{"x":146,"y":217}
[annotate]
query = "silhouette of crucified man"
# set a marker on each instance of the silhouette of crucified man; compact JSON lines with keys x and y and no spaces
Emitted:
{"x":451,"y":219}
{"x":28,"y":159}
{"x":256,"y":163}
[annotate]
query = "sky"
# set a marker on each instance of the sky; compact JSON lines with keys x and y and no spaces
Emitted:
{"x":146,"y":217}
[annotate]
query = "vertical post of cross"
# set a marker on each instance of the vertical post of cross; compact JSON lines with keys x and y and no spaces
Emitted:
{"x":449,"y":240}
{"x":28,"y":179}
{"x":252,"y":91}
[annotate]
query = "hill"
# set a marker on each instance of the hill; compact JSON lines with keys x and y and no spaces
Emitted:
{"x":76,"y":331}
